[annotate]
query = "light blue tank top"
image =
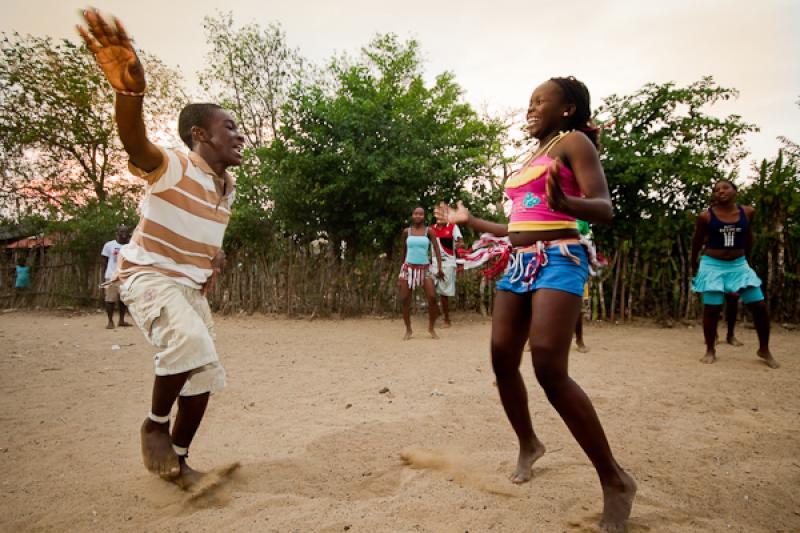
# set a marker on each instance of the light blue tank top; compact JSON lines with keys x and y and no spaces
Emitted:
{"x":23,"y":277}
{"x":417,"y":249}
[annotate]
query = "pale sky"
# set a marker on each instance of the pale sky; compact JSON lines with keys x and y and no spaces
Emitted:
{"x":500,"y":50}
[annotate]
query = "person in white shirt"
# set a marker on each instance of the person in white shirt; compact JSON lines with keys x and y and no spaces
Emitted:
{"x":109,"y":257}
{"x":450,"y":240}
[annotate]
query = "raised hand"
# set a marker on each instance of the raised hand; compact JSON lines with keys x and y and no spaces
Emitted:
{"x":556,"y":199}
{"x":114,"y":53}
{"x":447,"y":215}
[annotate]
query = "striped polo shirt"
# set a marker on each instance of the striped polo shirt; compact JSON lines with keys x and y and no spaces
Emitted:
{"x":183,"y":221}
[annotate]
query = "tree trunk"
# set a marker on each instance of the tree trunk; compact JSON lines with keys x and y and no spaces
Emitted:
{"x":643,"y":288}
{"x":623,"y":281}
{"x":616,"y":284}
{"x":631,"y":282}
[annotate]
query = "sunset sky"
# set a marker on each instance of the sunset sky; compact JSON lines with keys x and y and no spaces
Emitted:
{"x":500,"y":50}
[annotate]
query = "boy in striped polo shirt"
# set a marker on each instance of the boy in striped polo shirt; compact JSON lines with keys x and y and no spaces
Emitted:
{"x":175,"y":251}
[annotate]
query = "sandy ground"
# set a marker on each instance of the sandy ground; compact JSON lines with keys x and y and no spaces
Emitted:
{"x":714,"y":448}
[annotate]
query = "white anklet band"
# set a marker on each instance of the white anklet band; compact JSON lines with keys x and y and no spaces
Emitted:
{"x":158,"y":419}
{"x":180,"y":450}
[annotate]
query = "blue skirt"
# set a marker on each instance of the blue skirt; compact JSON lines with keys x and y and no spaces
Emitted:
{"x":725,"y":276}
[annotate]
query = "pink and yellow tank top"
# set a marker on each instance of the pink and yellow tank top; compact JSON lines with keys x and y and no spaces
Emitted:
{"x":527,"y":190}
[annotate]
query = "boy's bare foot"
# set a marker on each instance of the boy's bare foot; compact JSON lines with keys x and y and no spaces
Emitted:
{"x":188,"y":476}
{"x":123,"y":324}
{"x":110,"y":325}
{"x":433,"y":333}
{"x":709,"y":357}
{"x":446,"y":323}
{"x":733,"y":341}
{"x":157,"y":453}
{"x":527,"y":456}
{"x":617,"y":504}
{"x":408,"y":335}
{"x":766,"y":356}
{"x":582,"y":348}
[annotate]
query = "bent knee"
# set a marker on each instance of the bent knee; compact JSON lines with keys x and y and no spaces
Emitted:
{"x":505,"y":362}
{"x":548,"y":373}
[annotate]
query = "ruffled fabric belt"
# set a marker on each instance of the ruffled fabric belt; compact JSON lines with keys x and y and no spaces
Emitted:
{"x":414,"y":274}
{"x":501,"y":257}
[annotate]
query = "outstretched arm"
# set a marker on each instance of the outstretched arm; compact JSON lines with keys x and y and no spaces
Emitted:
{"x":115,"y":55}
{"x":461,"y":215}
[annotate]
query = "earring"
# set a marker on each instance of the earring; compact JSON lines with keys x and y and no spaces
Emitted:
{"x":566,"y":113}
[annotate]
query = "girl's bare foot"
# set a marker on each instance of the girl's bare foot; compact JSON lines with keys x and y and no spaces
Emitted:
{"x":617,"y":504}
{"x":157,"y":453}
{"x":433,"y":333}
{"x":709,"y":357}
{"x":407,"y":335}
{"x":582,"y":348}
{"x":766,"y":356}
{"x":733,"y":341}
{"x":527,"y":456}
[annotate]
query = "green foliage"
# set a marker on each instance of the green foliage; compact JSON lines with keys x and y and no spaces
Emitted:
{"x":250,"y":71}
{"x":357,"y":152}
{"x":251,"y":227}
{"x":663,"y":150}
{"x":775,"y":194}
{"x":58,"y":142}
{"x":85,"y":228}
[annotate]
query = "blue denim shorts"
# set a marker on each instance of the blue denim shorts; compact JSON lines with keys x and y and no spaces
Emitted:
{"x":564,"y":272}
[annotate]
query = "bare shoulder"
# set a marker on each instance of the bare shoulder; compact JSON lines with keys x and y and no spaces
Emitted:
{"x":703,"y":216}
{"x":577,"y":142}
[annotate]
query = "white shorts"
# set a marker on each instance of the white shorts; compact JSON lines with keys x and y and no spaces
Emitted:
{"x":176,"y":319}
{"x":446,"y":286}
{"x":111,"y":291}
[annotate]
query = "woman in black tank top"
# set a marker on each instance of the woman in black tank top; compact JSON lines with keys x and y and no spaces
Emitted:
{"x":724,"y":233}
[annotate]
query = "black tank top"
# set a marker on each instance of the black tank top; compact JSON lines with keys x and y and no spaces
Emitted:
{"x":727,"y":235}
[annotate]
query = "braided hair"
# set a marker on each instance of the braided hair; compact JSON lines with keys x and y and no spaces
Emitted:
{"x":194,"y":115}
{"x":576,"y":93}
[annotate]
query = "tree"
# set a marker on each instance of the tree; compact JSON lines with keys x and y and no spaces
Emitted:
{"x":662,"y":150}
{"x":507,"y":142}
{"x":775,"y":193}
{"x":358,"y":150}
{"x":250,"y":71}
{"x":58,"y":141}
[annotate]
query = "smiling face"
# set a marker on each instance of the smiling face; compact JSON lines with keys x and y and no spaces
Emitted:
{"x":418,"y":216}
{"x":546,"y":110}
{"x":222,"y":134}
{"x":723,"y":193}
